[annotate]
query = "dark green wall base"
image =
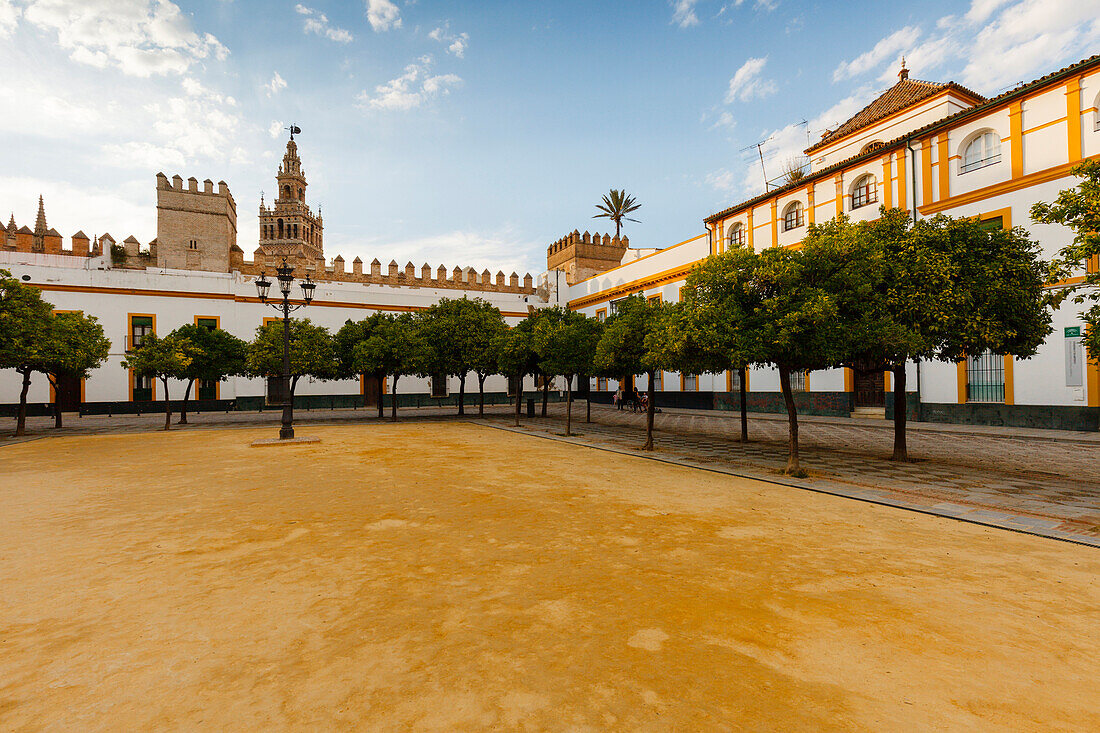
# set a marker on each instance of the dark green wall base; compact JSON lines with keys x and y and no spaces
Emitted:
{"x":834,"y":404}
{"x":1056,"y":417}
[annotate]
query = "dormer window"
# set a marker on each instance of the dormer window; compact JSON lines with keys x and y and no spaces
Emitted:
{"x":792,"y":216}
{"x":984,"y":149}
{"x":864,"y":192}
{"x":737,"y":236}
{"x":871,"y":146}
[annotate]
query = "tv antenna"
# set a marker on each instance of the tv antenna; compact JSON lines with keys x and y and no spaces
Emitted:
{"x":294,"y":130}
{"x":760,"y":152}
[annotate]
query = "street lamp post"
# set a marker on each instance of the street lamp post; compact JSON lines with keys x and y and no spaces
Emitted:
{"x":285,"y":275}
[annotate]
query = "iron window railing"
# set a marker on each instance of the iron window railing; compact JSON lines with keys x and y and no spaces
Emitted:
{"x":798,"y":381}
{"x":985,"y":378}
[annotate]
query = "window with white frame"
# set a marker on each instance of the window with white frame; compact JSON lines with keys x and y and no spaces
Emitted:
{"x":864,"y":192}
{"x":792,"y":216}
{"x":691,"y":382}
{"x":983,"y":150}
{"x":737,"y":236}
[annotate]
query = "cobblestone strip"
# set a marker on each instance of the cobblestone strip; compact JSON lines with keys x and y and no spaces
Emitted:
{"x":928,"y":489}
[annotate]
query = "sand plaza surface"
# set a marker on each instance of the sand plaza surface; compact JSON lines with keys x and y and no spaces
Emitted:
{"x":455,"y":577}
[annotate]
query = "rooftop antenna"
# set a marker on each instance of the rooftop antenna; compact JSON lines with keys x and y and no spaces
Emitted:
{"x":760,"y":152}
{"x":294,"y":130}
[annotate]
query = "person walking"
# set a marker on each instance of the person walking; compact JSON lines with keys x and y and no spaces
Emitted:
{"x":619,"y":398}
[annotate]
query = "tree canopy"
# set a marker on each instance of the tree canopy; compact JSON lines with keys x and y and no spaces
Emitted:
{"x":161,"y":358}
{"x":312,"y":352}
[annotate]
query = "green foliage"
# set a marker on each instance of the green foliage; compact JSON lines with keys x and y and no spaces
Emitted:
{"x":312,"y":352}
{"x":514,"y":349}
{"x":214,"y":353}
{"x":390,"y":345}
{"x":458,"y":334}
{"x":77,"y":345}
{"x":1079,"y":209}
{"x":161,"y":358}
{"x":25,"y":321}
{"x":616,"y":205}
{"x":565,"y":341}
{"x":623,"y":349}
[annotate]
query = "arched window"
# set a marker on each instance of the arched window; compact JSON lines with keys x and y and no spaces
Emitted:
{"x":864,"y":191}
{"x":984,"y":149}
{"x":295,"y":231}
{"x":792,"y":216}
{"x":280,"y":228}
{"x":737,"y":236}
{"x":286,"y":192}
{"x":871,"y":146}
{"x":301,"y":195}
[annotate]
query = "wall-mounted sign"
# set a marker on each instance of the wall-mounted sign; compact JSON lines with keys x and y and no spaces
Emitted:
{"x":1072,"y":332}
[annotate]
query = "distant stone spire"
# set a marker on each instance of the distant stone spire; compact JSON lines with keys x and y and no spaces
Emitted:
{"x":904,"y":73}
{"x":40,"y":225}
{"x":11,"y":223}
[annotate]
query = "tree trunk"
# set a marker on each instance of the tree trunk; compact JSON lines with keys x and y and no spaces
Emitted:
{"x":652,"y":391}
{"x":744,"y":405}
{"x":588,"y":402}
{"x":56,"y":402}
{"x":167,"y":405}
{"x":481,"y":394}
{"x":568,"y":404}
{"x":545,"y":393}
{"x":793,"y":467}
{"x":393,"y":399}
{"x":519,"y":398}
{"x":21,"y":416}
{"x":901,"y":452}
{"x":381,"y":377}
{"x":183,"y":407}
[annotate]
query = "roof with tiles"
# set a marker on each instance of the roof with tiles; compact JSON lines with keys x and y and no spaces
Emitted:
{"x":905,"y":93}
{"x":950,"y":119}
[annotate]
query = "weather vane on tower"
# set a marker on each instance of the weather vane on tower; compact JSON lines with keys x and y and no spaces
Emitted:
{"x":294,"y":129}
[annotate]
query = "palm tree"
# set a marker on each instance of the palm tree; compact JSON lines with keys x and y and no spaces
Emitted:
{"x":616,"y":206}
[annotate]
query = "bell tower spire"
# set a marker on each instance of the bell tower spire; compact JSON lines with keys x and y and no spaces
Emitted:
{"x":289,"y":228}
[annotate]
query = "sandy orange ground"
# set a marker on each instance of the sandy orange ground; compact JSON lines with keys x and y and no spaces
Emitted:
{"x":449,"y":576}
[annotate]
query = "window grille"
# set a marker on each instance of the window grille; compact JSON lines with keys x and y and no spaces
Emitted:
{"x":658,"y":380}
{"x":981,"y":151}
{"x":792,"y":217}
{"x":985,"y":378}
{"x":737,"y":236}
{"x":865,"y":192}
{"x":735,"y":380}
{"x":206,"y":389}
{"x":798,"y":381}
{"x":439,"y":385}
{"x":691,"y":382}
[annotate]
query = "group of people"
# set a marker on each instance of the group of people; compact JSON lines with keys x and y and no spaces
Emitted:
{"x":632,"y":398}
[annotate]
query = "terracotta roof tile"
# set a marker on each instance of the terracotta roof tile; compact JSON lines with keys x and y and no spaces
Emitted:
{"x":903,"y":94}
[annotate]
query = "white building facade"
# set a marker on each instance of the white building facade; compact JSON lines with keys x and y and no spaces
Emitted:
{"x":929,"y":148}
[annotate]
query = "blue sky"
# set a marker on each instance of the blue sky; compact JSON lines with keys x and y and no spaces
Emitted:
{"x":474,"y":133}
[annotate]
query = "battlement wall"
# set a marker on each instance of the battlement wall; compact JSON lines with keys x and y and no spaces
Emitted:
{"x":581,"y":256}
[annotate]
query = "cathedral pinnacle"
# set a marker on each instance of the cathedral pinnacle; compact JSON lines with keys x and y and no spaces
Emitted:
{"x":40,"y":224}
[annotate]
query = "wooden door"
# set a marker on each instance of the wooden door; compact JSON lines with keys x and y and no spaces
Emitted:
{"x":68,"y":393}
{"x":370,"y":391}
{"x":870,"y":388}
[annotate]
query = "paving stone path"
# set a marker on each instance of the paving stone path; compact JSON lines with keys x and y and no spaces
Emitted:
{"x":1042,"y":482}
{"x":1047,"y":485}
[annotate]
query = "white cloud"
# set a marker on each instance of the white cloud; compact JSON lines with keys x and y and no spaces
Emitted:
{"x":683,"y":13}
{"x":412,"y":89}
{"x":275,"y":128}
{"x":997,"y":43}
{"x":317,"y":22}
{"x":456,"y":44}
{"x":383,"y":15}
{"x":276,"y":84}
{"x":144,"y":155}
{"x":139,"y":37}
{"x":726,"y":120}
{"x":91,"y":209}
{"x":746,"y":84}
{"x":888,"y":49}
{"x":502,"y":250}
{"x":9,"y":17}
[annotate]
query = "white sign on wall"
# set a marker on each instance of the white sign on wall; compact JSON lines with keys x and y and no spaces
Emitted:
{"x":1075,"y":357}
